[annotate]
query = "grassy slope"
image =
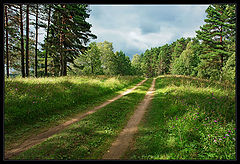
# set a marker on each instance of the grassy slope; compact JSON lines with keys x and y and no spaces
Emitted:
{"x":188,"y":119}
{"x":91,"y":137}
{"x":33,"y":105}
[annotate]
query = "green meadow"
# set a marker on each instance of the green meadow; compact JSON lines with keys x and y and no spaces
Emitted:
{"x":90,"y":137}
{"x":32,"y":105}
{"x":189,"y":119}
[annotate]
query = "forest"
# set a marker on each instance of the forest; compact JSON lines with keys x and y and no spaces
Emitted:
{"x":65,"y":50}
{"x":69,"y":97}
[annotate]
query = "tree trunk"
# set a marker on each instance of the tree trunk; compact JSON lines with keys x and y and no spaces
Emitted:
{"x":63,"y":53}
{"x":27,"y":41}
{"x":46,"y":55}
{"x":65,"y":65}
{"x":6,"y":27}
{"x":36,"y":61}
{"x":221,"y":48}
{"x":221,"y":56}
{"x":22,"y":43}
{"x":92,"y":68}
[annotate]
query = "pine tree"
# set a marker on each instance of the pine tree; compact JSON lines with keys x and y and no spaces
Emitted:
{"x":164,"y":57}
{"x":36,"y":42}
{"x":215,"y":35}
{"x":47,"y":44}
{"x":22,"y":42}
{"x":70,"y":32}
{"x":13,"y":37}
{"x":27,"y":41}
{"x":6,"y":29}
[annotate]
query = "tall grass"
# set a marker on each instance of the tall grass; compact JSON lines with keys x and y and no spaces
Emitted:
{"x":92,"y":136}
{"x":35,"y":103}
{"x":189,"y":119}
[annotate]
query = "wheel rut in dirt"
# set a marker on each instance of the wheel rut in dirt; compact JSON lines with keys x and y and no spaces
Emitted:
{"x":43,"y":136}
{"x":120,"y":145}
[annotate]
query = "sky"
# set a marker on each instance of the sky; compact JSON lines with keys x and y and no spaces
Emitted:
{"x":135,"y":28}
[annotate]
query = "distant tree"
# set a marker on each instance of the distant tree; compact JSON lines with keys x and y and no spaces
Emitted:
{"x":155,"y":54}
{"x":164,"y":58}
{"x":186,"y":63}
{"x":136,"y":64}
{"x":122,"y":63}
{"x":147,"y":66}
{"x":180,"y":46}
{"x":107,"y":57}
{"x":92,"y":58}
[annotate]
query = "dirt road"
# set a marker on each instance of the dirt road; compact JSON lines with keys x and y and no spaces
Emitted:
{"x":121,"y":144}
{"x":43,"y":136}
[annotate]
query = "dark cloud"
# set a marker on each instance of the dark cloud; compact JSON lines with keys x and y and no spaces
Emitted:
{"x":134,"y":28}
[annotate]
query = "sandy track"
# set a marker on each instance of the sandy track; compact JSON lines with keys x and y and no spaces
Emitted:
{"x":120,"y":145}
{"x":43,"y":136}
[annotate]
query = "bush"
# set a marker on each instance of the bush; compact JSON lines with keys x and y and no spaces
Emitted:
{"x":229,"y":69}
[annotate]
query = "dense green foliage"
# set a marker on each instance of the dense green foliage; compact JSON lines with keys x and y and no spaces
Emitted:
{"x":100,"y":59}
{"x":186,"y":63}
{"x":216,"y":36}
{"x":189,"y":119}
{"x":68,"y":33}
{"x":32,"y":104}
{"x":204,"y":56}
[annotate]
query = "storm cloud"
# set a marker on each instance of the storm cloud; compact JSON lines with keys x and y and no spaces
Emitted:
{"x":135,"y":28}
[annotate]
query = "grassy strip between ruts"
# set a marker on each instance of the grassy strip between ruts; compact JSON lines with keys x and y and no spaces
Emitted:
{"x":34,"y":105}
{"x":91,"y":137}
{"x":188,"y":120}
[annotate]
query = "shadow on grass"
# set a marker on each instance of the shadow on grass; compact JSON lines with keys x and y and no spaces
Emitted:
{"x":91,"y":137}
{"x":42,"y":102}
{"x":170,"y":129}
{"x":178,"y":100}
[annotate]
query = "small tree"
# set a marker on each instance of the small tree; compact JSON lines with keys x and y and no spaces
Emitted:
{"x":136,"y":65}
{"x":229,"y":70}
{"x":186,"y":63}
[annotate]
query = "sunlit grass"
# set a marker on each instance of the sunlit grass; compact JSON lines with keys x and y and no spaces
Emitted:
{"x":34,"y":104}
{"x":188,"y":119}
{"x":92,"y":136}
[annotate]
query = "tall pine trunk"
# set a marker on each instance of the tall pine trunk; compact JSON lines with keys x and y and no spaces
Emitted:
{"x":27,"y":41}
{"x":6,"y":27}
{"x":221,"y":43}
{"x":61,"y":54}
{"x":22,"y":43}
{"x":64,"y":60}
{"x":36,"y":61}
{"x":47,"y":46}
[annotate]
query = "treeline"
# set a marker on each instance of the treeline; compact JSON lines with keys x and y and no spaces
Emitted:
{"x":67,"y":35}
{"x":100,"y":59}
{"x":210,"y":55}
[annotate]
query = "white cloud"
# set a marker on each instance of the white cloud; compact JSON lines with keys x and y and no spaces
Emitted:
{"x":140,"y":27}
